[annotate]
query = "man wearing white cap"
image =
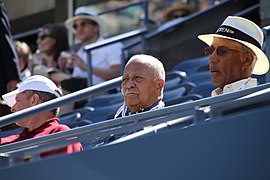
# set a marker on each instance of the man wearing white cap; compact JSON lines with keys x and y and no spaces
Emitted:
{"x":235,"y":54}
{"x":106,"y":61}
{"x":33,"y":91}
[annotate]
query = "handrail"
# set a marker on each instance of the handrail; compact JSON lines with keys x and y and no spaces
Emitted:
{"x":27,"y":33}
{"x":121,"y":121}
{"x":172,"y":24}
{"x":169,"y":25}
{"x":93,"y":130}
{"x":115,"y":39}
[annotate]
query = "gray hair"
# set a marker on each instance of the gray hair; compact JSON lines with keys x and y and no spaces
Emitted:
{"x":153,"y":63}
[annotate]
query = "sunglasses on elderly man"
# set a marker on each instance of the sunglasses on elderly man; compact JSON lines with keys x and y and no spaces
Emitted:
{"x":220,"y":50}
{"x":82,"y":24}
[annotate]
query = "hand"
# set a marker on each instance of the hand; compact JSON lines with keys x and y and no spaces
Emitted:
{"x":79,"y":62}
{"x":62,"y":63}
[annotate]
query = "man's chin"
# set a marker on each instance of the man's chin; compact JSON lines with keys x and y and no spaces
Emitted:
{"x":132,"y":102}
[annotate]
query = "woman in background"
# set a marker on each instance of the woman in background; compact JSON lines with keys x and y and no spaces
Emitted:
{"x":52,"y":40}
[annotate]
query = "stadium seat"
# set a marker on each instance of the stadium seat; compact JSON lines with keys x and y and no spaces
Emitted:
{"x":178,"y":91}
{"x":101,"y":113}
{"x":199,"y":77}
{"x":183,"y":99}
{"x":104,"y":100}
{"x":203,"y":89}
{"x":192,"y":66}
{"x":173,"y":78}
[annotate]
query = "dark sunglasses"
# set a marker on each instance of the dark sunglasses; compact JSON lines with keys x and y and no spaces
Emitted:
{"x":82,"y":24}
{"x":43,"y":36}
{"x":221,"y":50}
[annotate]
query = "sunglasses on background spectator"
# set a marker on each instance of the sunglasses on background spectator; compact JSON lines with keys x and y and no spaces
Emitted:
{"x":82,"y":24}
{"x":220,"y":50}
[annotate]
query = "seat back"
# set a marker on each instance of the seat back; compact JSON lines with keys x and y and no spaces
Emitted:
{"x":203,"y":89}
{"x":192,"y":66}
{"x":199,"y":77}
{"x":178,"y":91}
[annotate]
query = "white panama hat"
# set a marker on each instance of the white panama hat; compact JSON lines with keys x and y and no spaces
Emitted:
{"x":86,"y":13}
{"x":36,"y":82}
{"x":246,"y":32}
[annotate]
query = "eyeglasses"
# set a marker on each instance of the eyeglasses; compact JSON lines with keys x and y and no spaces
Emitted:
{"x":221,"y":50}
{"x":82,"y":24}
{"x":43,"y":36}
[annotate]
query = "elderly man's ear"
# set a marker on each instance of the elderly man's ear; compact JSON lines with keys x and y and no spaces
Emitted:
{"x":247,"y":62}
{"x":160,"y":84}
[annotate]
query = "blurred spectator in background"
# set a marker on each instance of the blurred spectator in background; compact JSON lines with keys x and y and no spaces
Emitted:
{"x":52,"y":40}
{"x":177,"y":10}
{"x":25,"y":58}
{"x":106,"y":61}
{"x":9,"y":69}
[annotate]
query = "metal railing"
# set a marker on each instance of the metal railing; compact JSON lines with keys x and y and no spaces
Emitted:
{"x":92,"y":131}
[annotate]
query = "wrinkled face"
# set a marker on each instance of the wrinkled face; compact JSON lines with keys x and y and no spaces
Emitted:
{"x":228,"y":62}
{"x":85,"y":30}
{"x":140,"y":88}
{"x":45,"y":42}
{"x":22,"y":102}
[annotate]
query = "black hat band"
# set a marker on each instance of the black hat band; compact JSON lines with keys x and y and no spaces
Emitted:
{"x":236,"y":34}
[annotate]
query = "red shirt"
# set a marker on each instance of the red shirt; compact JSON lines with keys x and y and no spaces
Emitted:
{"x":49,"y":127}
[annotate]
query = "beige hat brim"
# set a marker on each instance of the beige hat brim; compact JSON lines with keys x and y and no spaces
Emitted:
{"x":69,"y":23}
{"x":262,"y":65}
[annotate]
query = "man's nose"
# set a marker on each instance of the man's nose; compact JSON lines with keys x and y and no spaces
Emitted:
{"x":130,"y":83}
{"x":13,"y":109}
{"x":213,"y":58}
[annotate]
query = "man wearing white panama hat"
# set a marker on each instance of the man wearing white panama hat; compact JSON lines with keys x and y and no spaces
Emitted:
{"x":89,"y":28}
{"x":235,"y":54}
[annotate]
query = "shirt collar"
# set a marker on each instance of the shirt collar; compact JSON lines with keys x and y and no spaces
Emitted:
{"x":236,"y":86}
{"x":42,"y":127}
{"x":157,"y":105}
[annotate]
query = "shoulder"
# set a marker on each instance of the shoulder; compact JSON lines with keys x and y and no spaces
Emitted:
{"x":59,"y":128}
{"x":54,"y":126}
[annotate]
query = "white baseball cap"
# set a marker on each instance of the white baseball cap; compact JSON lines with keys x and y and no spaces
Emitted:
{"x":37,"y":83}
{"x":246,"y":32}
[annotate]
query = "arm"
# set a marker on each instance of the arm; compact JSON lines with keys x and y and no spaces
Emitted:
{"x":106,"y":74}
